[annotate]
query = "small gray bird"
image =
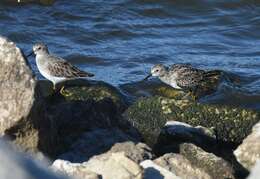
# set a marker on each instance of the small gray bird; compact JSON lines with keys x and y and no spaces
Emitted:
{"x":183,"y":76}
{"x":55,"y":68}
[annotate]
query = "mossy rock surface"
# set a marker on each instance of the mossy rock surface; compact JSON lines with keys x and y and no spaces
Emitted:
{"x":150,"y":88}
{"x":83,"y":90}
{"x":149,"y":115}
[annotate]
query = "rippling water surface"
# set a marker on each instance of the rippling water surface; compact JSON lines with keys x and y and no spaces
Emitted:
{"x":120,"y":40}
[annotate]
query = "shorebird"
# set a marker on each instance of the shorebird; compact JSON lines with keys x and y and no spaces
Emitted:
{"x":183,"y":76}
{"x":54,"y":68}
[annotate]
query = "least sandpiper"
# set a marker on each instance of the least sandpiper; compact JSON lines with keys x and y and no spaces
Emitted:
{"x":54,"y":68}
{"x":182,"y":76}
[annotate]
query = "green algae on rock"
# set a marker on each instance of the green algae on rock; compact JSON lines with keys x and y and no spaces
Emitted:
{"x":83,"y":90}
{"x":230,"y":124}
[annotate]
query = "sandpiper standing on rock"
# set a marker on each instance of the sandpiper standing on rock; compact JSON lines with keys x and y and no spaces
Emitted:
{"x":183,"y":76}
{"x":55,"y":68}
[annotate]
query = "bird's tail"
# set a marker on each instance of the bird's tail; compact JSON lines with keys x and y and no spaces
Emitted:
{"x":211,"y":79}
{"x":85,"y":74}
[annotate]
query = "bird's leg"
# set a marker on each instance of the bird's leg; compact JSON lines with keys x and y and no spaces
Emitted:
{"x":191,"y":95}
{"x":54,"y":87}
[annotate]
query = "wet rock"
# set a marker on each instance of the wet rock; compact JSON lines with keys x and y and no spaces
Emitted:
{"x":193,"y":162}
{"x":84,"y":106}
{"x":229,"y":124}
{"x":61,"y":119}
{"x":74,"y":170}
{"x":20,"y":166}
{"x":154,"y":171}
{"x":62,"y":123}
{"x":101,"y":140}
{"x":249,"y":151}
{"x":108,"y":165}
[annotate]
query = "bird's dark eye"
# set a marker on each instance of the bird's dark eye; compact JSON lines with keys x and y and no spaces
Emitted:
{"x":156,"y":70}
{"x":39,"y":48}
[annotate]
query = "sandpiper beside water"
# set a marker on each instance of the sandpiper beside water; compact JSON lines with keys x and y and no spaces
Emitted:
{"x":54,"y":68}
{"x":183,"y":76}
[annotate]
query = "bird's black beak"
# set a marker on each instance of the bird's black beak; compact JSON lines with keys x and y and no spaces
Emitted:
{"x":147,"y":77}
{"x":29,"y":54}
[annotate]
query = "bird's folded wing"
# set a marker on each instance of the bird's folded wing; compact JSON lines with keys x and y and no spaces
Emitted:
{"x":67,"y":70}
{"x":189,"y":78}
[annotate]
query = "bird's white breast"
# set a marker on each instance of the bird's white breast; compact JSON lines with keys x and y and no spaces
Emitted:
{"x":42,"y":65}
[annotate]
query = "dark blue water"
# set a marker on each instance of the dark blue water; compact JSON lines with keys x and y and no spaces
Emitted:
{"x":120,"y":40}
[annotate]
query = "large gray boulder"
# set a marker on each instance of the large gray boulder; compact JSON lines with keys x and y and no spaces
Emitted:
{"x":249,"y":151}
{"x":17,"y":86}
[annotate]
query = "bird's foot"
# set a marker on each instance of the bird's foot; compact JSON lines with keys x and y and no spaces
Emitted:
{"x":64,"y":92}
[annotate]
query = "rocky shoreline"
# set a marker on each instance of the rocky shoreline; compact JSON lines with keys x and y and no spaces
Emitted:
{"x":93,"y":130}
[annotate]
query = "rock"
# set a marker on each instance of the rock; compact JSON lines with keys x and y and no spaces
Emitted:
{"x":255,"y":172}
{"x":101,"y":140}
{"x":108,"y":165}
{"x":114,"y":165}
{"x":249,"y":151}
{"x":20,"y":166}
{"x":193,"y":162}
{"x":18,"y":96}
{"x":74,"y":170}
{"x":83,"y":90}
{"x":175,"y":133}
{"x":229,"y":124}
{"x":137,"y":152}
{"x":154,"y":171}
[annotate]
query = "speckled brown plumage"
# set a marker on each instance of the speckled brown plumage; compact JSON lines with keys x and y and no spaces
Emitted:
{"x":67,"y":70}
